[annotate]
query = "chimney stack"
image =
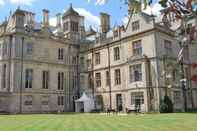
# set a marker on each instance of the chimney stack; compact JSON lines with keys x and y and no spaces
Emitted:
{"x":58,"y":17}
{"x":45,"y":17}
{"x":105,"y":22}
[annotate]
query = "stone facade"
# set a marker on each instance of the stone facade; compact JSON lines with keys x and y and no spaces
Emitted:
{"x":45,"y":69}
{"x":147,"y":62}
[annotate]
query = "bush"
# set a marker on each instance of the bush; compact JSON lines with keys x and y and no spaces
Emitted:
{"x":166,"y":105}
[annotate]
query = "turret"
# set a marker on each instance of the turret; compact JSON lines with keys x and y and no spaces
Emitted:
{"x":73,"y":24}
{"x":18,"y":19}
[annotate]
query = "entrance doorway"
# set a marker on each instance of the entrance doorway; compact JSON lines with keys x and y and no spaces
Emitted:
{"x":119,"y":102}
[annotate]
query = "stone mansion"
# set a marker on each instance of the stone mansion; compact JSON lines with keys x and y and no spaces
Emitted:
{"x":45,"y":68}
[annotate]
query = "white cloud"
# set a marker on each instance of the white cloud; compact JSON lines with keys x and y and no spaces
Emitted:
{"x":90,"y":19}
{"x":52,"y":21}
{"x":22,"y":2}
{"x":155,"y":9}
{"x":100,"y":2}
{"x":2,"y":2}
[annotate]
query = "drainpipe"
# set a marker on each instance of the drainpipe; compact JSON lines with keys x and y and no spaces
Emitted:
{"x":92,"y":79}
{"x":78,"y":78}
{"x":109,"y":69}
{"x":21,"y":82}
{"x":69,"y":69}
{"x":9,"y":65}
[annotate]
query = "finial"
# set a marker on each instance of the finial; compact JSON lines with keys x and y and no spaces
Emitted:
{"x":71,"y":6}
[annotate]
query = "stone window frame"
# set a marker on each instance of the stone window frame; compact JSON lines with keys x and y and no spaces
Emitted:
{"x":137,"y":95}
{"x":117,"y":76}
{"x":98,"y":79}
{"x":29,"y":48}
{"x":61,"y":54}
{"x":60,"y":83}
{"x":29,"y":78}
{"x":135,"y":25}
{"x":133,"y":70}
{"x":116,"y":53}
{"x":45,"y":79}
{"x":60,"y":100}
{"x":97,"y":58}
{"x":137,"y":48}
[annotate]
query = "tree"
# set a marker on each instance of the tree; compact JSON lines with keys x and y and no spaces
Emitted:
{"x":177,"y":6}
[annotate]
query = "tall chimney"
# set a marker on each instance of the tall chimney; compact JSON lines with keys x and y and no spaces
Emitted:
{"x":105,"y":22}
{"x":58,"y":17}
{"x":45,"y":18}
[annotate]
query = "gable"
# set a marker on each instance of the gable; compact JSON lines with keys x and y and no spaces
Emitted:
{"x":145,"y":23}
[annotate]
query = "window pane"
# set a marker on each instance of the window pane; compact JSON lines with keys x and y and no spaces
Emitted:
{"x":135,"y":25}
{"x":117,"y":77}
{"x":135,"y":73}
{"x":97,"y":58}
{"x":29,"y":49}
{"x":98,"y":79}
{"x":116,"y":53}
{"x":137,"y":48}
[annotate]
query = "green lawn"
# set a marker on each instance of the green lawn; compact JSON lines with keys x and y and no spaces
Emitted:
{"x":98,"y":122}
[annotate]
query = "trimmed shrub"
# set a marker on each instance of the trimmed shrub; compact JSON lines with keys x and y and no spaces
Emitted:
{"x":166,"y":105}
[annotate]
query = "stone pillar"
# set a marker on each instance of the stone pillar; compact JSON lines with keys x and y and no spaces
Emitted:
{"x":58,"y":17}
{"x":45,"y":22}
{"x":105,"y":22}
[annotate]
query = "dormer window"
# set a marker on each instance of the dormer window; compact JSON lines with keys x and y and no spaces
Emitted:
{"x":136,"y":25}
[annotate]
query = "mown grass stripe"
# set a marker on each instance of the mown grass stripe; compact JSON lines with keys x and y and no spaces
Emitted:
{"x":97,"y":122}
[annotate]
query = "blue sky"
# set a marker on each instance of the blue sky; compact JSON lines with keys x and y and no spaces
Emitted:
{"x":90,"y":10}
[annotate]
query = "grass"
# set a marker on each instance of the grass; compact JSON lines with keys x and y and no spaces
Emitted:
{"x":98,"y":122}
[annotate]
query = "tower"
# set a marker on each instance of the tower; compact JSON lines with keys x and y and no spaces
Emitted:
{"x":18,"y":20}
{"x":72,"y":24}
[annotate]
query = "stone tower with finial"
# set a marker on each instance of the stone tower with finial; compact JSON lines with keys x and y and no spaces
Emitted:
{"x":18,"y":20}
{"x":73,"y":24}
